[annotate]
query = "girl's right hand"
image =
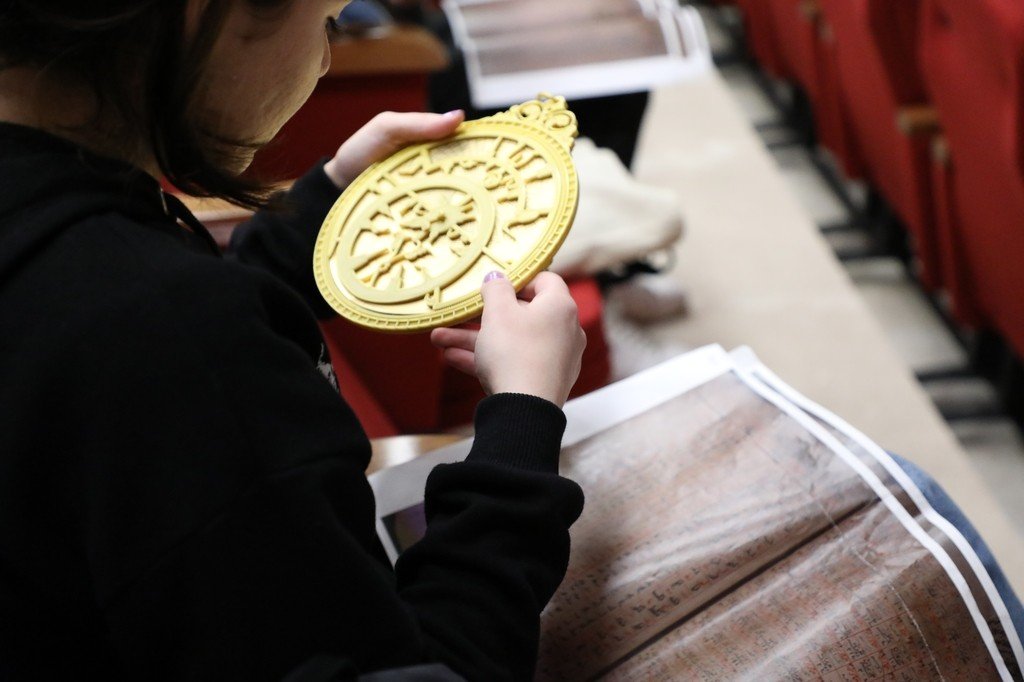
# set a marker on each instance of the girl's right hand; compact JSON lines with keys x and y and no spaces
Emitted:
{"x":530,"y":344}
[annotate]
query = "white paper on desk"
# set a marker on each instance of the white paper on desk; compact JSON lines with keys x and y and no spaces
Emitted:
{"x":576,"y":49}
{"x":400,"y":488}
{"x":733,"y":528}
{"x":878,"y":465}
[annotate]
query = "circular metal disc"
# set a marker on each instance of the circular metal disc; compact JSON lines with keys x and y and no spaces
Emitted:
{"x":407,"y":245}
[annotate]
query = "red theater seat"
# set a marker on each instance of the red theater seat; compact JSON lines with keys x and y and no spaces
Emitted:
{"x":806,"y":58}
{"x":972,"y":56}
{"x":796,"y":28}
{"x":418,"y":393}
{"x":761,"y":39}
{"x":878,"y":77}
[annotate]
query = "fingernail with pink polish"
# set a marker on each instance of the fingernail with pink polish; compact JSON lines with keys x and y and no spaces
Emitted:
{"x":493,"y":275}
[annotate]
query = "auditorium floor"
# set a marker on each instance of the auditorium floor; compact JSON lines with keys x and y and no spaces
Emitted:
{"x":992,"y":441}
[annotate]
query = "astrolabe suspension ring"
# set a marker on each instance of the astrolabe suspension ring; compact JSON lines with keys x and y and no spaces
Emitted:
{"x":407,"y":245}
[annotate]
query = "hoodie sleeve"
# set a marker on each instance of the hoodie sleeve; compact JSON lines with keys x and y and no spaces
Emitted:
{"x":229,"y":525}
{"x":496,"y":534}
{"x":280,"y":240}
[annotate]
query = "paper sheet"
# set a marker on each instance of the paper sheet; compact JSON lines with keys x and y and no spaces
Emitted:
{"x":575,"y":48}
{"x":734,"y":530}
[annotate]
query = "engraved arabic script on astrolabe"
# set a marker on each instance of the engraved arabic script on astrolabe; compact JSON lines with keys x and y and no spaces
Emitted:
{"x":407,"y":245}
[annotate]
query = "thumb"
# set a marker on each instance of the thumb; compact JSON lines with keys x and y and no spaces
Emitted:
{"x":397,"y":130}
{"x":498,"y":294}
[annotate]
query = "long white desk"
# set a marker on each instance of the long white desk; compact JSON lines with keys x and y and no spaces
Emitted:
{"x":760,"y":274}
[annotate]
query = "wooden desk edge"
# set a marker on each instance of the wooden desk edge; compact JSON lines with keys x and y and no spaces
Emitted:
{"x":402,"y":49}
{"x":395,"y":450}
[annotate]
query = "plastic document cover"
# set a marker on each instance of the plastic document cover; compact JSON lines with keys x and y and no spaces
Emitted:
{"x":735,"y":530}
{"x":578,"y":48}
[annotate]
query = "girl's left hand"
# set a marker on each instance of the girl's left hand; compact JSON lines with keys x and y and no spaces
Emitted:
{"x":384,"y":135}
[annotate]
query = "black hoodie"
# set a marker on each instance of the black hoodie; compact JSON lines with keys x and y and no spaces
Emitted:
{"x":182,"y":494}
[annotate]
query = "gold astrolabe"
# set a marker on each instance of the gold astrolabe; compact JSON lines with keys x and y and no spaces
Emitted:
{"x":407,"y":245}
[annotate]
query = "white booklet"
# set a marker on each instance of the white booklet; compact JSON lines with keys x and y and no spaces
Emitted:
{"x":574,"y":48}
{"x":734,"y":529}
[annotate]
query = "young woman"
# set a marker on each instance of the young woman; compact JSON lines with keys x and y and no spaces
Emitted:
{"x":182,"y":493}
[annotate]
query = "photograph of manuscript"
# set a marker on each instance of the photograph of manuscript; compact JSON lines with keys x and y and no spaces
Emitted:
{"x":578,"y":48}
{"x":731,"y":534}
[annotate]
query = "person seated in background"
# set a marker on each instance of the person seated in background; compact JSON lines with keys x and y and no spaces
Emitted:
{"x":360,"y":16}
{"x":182,"y":494}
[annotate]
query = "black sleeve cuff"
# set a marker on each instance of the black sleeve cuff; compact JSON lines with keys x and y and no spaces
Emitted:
{"x":315,"y":192}
{"x":519,"y":431}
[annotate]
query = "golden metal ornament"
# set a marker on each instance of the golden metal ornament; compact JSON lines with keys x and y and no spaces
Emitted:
{"x":407,"y":245}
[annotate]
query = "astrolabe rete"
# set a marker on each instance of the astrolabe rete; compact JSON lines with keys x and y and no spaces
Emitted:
{"x":407,"y":245}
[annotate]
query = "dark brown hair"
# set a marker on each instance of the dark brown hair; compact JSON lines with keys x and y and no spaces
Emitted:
{"x":135,"y":57}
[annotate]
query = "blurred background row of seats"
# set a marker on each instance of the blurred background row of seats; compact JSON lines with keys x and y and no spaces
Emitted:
{"x":923,"y":100}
